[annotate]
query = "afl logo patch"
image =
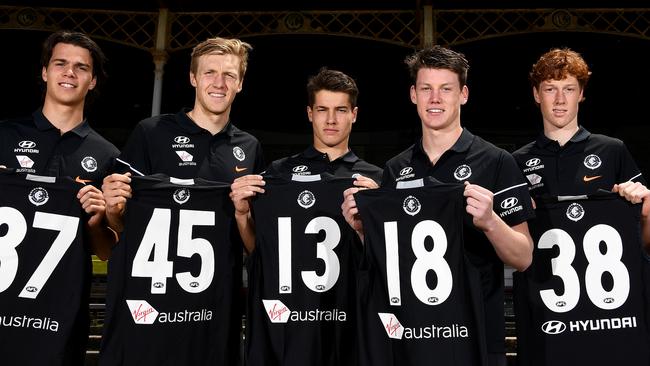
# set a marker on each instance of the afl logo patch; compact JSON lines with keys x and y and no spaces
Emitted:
{"x":592,"y":161}
{"x":553,"y":327}
{"x":89,"y":164}
{"x":575,"y":212}
{"x":181,"y":139}
{"x":509,"y":202}
{"x":533,"y":162}
{"x":181,"y":195}
{"x":300,"y":168}
{"x":38,"y":196}
{"x":27,"y":144}
{"x":306,"y":199}
{"x":462,"y":172}
{"x":238,"y":153}
{"x":411,"y":205}
{"x":405,"y":171}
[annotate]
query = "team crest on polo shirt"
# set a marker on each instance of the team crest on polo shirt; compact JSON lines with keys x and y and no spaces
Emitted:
{"x":411,"y":205}
{"x":89,"y":164}
{"x":181,"y":195}
{"x":462,"y":172}
{"x":593,"y":161}
{"x":38,"y":196}
{"x":306,"y":199}
{"x":575,"y":212}
{"x":238,"y":153}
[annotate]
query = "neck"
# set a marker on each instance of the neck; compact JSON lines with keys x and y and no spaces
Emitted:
{"x":436,"y":142}
{"x":561,"y":135}
{"x":333,"y":152}
{"x":63,"y":117}
{"x":209,"y":121}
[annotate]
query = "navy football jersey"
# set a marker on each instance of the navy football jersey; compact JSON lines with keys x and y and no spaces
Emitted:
{"x":44,"y":272}
{"x":174,"y":277}
{"x":419,"y":297}
{"x":585,"y":298}
{"x":302,"y":275}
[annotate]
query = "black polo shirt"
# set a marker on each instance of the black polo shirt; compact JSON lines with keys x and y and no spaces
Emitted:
{"x":34,"y":145}
{"x":174,"y":145}
{"x":586,"y":163}
{"x":312,"y":161}
{"x":479,"y":162}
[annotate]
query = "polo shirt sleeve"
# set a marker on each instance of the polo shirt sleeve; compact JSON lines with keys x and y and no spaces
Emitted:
{"x":627,"y":168}
{"x":511,"y":199}
{"x":259,"y":159}
{"x":135,"y":153}
{"x":387,"y":179}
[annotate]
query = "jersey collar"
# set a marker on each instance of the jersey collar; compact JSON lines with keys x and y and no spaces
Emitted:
{"x":43,"y":124}
{"x":463,"y":143}
{"x":544,"y":142}
{"x":312,"y":154}
{"x":188,"y":125}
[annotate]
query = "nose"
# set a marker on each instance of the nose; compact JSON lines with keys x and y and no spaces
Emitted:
{"x":219,"y":81}
{"x":560,"y":98}
{"x":434,"y":97}
{"x":331,"y":117}
{"x":69,"y":71}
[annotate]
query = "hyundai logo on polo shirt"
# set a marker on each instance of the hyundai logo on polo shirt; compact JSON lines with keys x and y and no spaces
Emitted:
{"x":182,"y":142}
{"x":405,"y":173}
{"x":301,"y":170}
{"x":509,"y":202}
{"x":533,"y":164}
{"x":26,"y":146}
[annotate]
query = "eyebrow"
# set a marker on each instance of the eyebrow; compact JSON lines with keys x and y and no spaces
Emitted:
{"x":66,"y":61}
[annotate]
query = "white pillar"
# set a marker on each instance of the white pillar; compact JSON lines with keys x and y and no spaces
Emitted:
{"x":159,"y":58}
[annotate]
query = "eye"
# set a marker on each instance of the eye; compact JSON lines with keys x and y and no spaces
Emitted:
{"x":342,"y":110}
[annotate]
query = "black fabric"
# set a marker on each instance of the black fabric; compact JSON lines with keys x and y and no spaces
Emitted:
{"x":42,"y":322}
{"x":475,"y":160}
{"x":306,"y":316}
{"x":419,"y":296}
{"x":572,"y":306}
{"x":191,"y":309}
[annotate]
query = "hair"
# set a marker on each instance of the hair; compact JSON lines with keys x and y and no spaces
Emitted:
{"x":332,"y":80}
{"x":80,"y":40}
{"x":222,"y":46}
{"x":558,"y":64}
{"x":438,"y":57}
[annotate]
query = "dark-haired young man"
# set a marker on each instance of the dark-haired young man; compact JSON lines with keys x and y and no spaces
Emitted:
{"x":494,"y":233}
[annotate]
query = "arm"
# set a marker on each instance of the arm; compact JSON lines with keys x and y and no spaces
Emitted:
{"x":513,"y":245}
{"x":242,"y":189}
{"x":116,"y":189}
{"x":635,"y":192}
{"x":349,"y":206}
{"x":102,"y":238}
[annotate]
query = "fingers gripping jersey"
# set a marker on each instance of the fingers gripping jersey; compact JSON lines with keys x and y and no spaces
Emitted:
{"x":173,"y":278}
{"x":44,"y":272}
{"x":584,"y":300}
{"x":419,"y":298}
{"x":302,"y":275}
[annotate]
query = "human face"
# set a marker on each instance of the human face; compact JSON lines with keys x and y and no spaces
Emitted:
{"x":332,"y":117}
{"x":217,"y":81}
{"x":438,"y":96}
{"x":558,"y":100}
{"x":68,"y":75}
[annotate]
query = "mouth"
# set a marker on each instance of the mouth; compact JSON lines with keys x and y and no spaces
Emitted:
{"x":330,"y":131}
{"x":67,"y":85}
{"x":217,"y":95}
{"x":435,"y":110}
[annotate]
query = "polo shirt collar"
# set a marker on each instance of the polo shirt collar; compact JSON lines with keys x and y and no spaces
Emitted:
{"x":581,"y":135}
{"x":43,"y":124}
{"x":463,"y":143}
{"x":311,"y":153}
{"x":190,"y":126}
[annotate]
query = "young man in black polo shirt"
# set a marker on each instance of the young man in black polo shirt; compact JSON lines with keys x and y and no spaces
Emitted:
{"x":332,"y":110}
{"x":57,"y":140}
{"x":199,"y":142}
{"x":566,"y":159}
{"x":451,"y":154}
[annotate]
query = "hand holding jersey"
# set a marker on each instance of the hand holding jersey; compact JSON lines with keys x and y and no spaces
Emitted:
{"x":117,"y":190}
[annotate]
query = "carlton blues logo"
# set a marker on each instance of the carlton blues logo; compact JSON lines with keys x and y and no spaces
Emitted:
{"x":306,"y":199}
{"x":38,"y":196}
{"x":462,"y":172}
{"x":575,"y":212}
{"x":411,"y":205}
{"x":238,"y":153}
{"x":181,"y":195}
{"x":593,"y":161}
{"x":89,"y":164}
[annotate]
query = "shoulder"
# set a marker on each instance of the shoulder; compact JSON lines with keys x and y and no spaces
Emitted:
{"x":605,"y":141}
{"x":17,"y":123}
{"x":242,"y":135}
{"x":99,"y":142}
{"x":524,"y":150}
{"x":399,"y":159}
{"x":154,"y":122}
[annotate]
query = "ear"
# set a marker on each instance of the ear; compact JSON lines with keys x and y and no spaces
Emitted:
{"x":536,"y":96}
{"x":414,"y":98}
{"x":310,"y":114}
{"x":44,"y":74}
{"x":192,"y":79}
{"x":465,"y":94}
{"x":93,"y":83}
{"x":582,"y":97}
{"x":354,"y":114}
{"x":240,"y":86}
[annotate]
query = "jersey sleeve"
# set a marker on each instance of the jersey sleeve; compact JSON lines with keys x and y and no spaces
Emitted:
{"x":511,"y":199}
{"x":135,"y":154}
{"x":627,"y":168}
